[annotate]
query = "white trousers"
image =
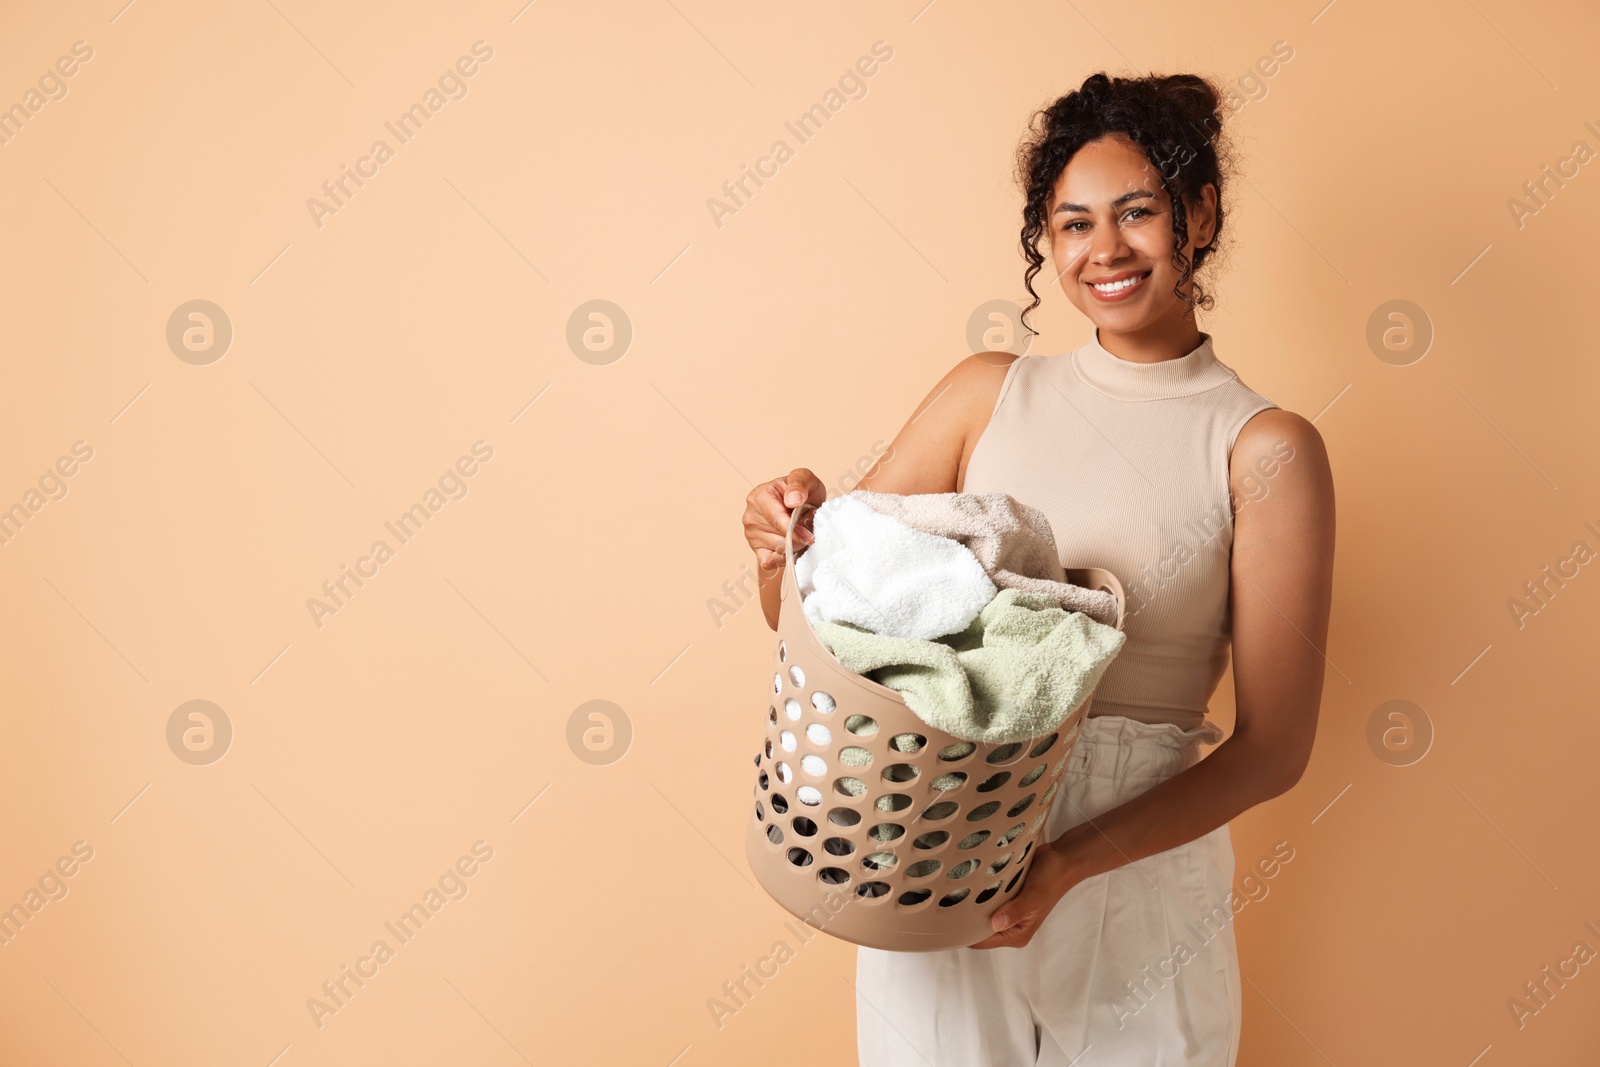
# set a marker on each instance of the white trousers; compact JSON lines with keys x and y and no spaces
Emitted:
{"x":1136,"y":967}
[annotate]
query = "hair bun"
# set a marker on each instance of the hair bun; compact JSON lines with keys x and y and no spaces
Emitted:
{"x":1196,"y":102}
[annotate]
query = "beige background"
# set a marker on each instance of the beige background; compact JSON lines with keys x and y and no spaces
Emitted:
{"x":434,"y":709}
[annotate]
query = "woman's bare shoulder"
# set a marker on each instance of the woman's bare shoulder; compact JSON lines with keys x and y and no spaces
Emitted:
{"x":1281,"y":449}
{"x":981,"y":375}
{"x":1274,"y":433}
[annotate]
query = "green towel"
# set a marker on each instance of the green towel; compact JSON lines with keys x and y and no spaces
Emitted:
{"x":1020,"y":668}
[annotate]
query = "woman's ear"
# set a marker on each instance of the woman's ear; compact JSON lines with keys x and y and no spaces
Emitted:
{"x":1205,"y":216}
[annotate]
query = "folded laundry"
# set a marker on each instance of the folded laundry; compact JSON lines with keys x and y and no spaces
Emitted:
{"x":878,"y":573}
{"x":1011,"y":540}
{"x":1021,"y":667}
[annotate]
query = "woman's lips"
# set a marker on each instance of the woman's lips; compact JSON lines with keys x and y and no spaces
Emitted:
{"x":1121,"y":293}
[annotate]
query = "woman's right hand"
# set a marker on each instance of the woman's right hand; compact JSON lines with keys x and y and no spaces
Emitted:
{"x":766,"y":516}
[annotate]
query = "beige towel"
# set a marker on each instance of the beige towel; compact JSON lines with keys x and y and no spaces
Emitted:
{"x":1011,"y":539}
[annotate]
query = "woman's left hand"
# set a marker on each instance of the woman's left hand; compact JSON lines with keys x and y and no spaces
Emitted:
{"x":1019,"y":918}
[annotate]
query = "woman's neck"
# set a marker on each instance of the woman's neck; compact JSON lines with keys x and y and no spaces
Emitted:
{"x":1154,"y":344}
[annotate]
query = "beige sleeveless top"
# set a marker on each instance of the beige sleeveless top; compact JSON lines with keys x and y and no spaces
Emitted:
{"x":1129,"y":462}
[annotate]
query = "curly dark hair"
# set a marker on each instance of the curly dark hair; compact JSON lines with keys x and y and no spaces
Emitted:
{"x":1175,"y":119}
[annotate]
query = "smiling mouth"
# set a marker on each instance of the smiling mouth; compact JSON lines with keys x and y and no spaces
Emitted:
{"x":1113,"y":288}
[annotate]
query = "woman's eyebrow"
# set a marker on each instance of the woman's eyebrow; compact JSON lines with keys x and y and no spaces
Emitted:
{"x":1118,"y":202}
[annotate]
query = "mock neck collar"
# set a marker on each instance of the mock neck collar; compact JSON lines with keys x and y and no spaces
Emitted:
{"x":1124,"y":379}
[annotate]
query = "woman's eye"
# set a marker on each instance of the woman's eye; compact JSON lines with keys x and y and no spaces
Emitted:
{"x":1132,"y":214}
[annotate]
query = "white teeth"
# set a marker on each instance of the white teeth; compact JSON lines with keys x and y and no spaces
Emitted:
{"x":1123,"y":284}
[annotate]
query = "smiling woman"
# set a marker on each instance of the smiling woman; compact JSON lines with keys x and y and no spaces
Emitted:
{"x":1138,"y":440}
{"x":1147,"y":173}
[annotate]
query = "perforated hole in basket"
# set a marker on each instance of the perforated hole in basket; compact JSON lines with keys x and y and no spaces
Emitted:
{"x":861,"y":725}
{"x":1005,"y":753}
{"x":908,"y":743}
{"x":983,"y":811}
{"x":899,"y":772}
{"x":855,"y":756}
{"x":1020,"y":806}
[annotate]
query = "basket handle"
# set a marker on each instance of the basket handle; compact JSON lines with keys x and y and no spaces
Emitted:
{"x":1105,"y":581}
{"x":788,"y":540}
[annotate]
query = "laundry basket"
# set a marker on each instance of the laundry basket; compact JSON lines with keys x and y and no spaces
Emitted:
{"x":914,"y":843}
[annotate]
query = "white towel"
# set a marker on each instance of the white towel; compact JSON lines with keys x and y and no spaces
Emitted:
{"x":887,"y":577}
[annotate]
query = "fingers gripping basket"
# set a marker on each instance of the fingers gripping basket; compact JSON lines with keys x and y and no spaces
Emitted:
{"x":875,"y":827}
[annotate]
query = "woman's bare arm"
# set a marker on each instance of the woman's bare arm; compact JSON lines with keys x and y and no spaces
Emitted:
{"x":929,"y":455}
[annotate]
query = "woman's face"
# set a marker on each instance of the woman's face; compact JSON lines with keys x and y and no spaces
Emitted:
{"x":1111,"y":221}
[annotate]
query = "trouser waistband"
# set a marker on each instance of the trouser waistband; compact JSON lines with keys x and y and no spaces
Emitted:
{"x":1115,"y":745}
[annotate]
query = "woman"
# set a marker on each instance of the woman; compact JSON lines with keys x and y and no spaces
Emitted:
{"x":1215,"y":508}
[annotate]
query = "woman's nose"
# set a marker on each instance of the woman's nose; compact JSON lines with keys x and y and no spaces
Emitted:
{"x":1107,"y":245}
